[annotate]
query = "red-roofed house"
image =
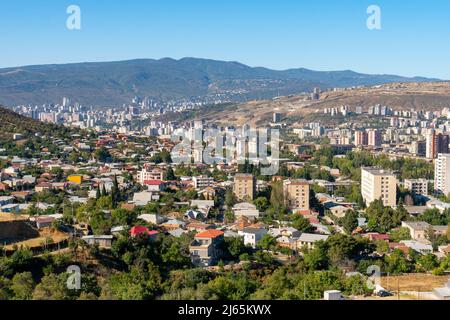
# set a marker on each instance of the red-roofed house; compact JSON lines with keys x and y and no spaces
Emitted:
{"x":400,"y":246}
{"x":155,"y":185}
{"x":141,"y":230}
{"x":205,"y":249}
{"x":373,"y":236}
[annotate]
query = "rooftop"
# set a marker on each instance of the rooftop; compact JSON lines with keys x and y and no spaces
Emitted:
{"x":212,"y":234}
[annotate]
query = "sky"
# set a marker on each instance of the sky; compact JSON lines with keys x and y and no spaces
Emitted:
{"x":278,"y":34}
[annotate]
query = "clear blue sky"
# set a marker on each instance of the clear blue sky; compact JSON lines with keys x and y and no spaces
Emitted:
{"x":315,"y":34}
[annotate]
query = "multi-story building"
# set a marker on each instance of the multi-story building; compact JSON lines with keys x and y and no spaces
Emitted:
{"x":435,"y":144}
{"x":201,"y":182}
{"x":378,"y":184}
{"x":417,"y":186}
{"x":149,"y":174}
{"x":374,"y":137}
{"x":442,"y":174}
{"x":276,"y":117}
{"x":205,"y":249}
{"x":296,"y":194}
{"x":244,"y":186}
{"x":361,"y":138}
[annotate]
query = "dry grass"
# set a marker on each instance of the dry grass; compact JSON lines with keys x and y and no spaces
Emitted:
{"x":414,"y":282}
{"x":47,"y":235}
{"x":432,"y":96}
{"x":8,"y":217}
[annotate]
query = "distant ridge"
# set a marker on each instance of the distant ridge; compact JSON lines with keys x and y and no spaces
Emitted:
{"x":116,"y":83}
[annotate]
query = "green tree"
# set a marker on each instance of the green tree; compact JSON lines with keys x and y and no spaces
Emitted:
{"x":276,"y":195}
{"x":230,"y":199}
{"x":428,"y":262}
{"x":170,"y":175}
{"x":235,"y":246}
{"x":350,"y":221}
{"x":261,"y":203}
{"x":301,"y":223}
{"x":51,"y":287}
{"x":267,"y":242}
{"x":102,"y":155}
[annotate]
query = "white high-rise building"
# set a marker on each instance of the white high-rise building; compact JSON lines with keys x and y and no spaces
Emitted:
{"x":442,"y":174}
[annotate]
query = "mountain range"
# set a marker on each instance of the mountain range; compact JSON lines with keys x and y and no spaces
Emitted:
{"x":116,"y":83}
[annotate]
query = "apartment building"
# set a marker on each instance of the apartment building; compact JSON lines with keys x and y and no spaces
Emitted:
{"x":435,"y":144}
{"x":378,"y":184}
{"x":374,"y":138}
{"x":442,"y":174}
{"x":361,"y":138}
{"x":417,"y":186}
{"x":202,"y":182}
{"x":149,"y":174}
{"x":244,"y":186}
{"x":296,"y":194}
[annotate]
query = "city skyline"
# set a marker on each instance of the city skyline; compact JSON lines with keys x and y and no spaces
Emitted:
{"x":320,"y":36}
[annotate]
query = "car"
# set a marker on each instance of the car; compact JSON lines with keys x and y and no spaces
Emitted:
{"x":384,"y":293}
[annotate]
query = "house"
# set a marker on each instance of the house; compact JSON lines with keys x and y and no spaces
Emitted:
{"x":173,"y":224}
{"x":419,"y":229}
{"x":252,"y":235}
{"x":43,"y":186}
{"x":194,"y":215}
{"x":287,"y":242}
{"x":203,"y":206}
{"x":10,"y":208}
{"x":153,"y":218}
{"x":321,"y":228}
{"x":177,"y":232}
{"x":420,"y":247}
{"x":336,"y":209}
{"x":309,"y":239}
{"x":289,"y":232}
{"x":199,"y":226}
{"x":399,"y":246}
{"x":44,"y":221}
{"x":103,"y":241}
{"x":22,"y":195}
{"x":205,"y":249}
{"x":141,"y":230}
{"x":155,"y":185}
{"x":375,"y":236}
{"x":145,"y":197}
{"x":59,"y":185}
{"x":6,"y":200}
{"x":208,"y":193}
{"x":117,"y":230}
{"x":246,"y":209}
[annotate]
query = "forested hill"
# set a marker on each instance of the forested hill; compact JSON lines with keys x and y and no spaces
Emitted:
{"x":11,"y":123}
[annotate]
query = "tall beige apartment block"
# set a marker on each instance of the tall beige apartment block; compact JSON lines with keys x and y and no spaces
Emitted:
{"x":244,"y":186}
{"x":296,"y":194}
{"x":378,"y":184}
